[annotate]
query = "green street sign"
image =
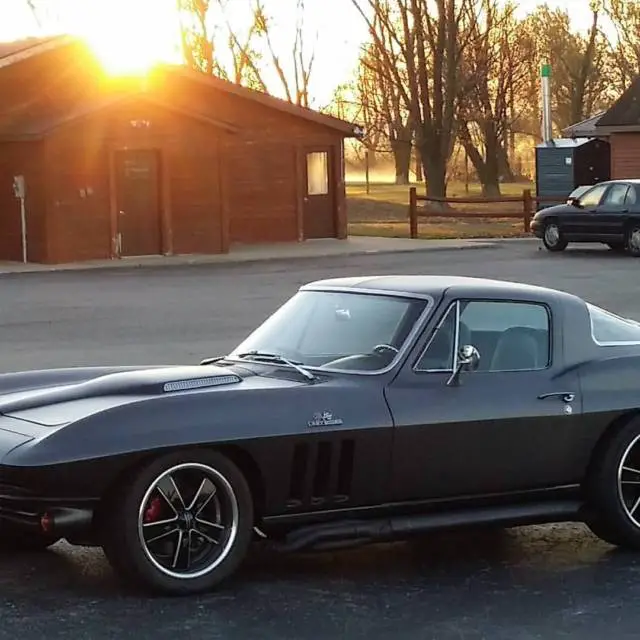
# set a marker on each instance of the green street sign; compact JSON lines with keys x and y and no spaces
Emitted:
{"x":545,"y":71}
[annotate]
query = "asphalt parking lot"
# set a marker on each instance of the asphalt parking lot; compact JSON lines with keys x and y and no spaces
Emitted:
{"x":525,"y":584}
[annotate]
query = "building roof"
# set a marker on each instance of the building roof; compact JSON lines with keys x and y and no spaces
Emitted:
{"x":585,"y":128}
{"x":38,"y":120}
{"x":624,"y":114}
{"x":563,"y":143}
{"x":12,"y":52}
{"x":16,"y":50}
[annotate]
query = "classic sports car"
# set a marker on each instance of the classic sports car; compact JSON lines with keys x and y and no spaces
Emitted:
{"x":364,"y":409}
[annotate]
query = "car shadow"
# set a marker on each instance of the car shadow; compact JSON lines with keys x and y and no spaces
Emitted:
{"x":582,"y":251}
{"x":82,"y":573}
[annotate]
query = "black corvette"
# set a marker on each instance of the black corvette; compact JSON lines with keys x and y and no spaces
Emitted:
{"x":364,"y":409}
{"x":608,"y":213}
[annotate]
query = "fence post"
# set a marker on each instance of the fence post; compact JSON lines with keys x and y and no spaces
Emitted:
{"x":413,"y":213}
{"x":527,"y":209}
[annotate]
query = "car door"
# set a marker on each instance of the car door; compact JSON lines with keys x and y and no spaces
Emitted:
{"x":608,"y":221}
{"x":576,"y":221}
{"x":508,"y":426}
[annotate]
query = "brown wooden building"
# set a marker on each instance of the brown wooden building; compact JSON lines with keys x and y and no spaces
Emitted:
{"x":621,"y":125}
{"x":173,"y":163}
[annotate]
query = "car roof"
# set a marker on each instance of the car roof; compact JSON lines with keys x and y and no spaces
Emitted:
{"x":436,"y":285}
{"x":616,"y":181}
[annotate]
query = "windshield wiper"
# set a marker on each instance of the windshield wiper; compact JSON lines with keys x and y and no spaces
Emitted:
{"x":276,"y":357}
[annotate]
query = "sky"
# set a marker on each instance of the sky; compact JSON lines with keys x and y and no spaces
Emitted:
{"x":335,"y":23}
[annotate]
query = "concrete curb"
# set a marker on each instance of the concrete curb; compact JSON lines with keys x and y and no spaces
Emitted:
{"x":230,"y":260}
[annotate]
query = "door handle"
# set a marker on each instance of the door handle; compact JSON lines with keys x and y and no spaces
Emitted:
{"x":565,"y":396}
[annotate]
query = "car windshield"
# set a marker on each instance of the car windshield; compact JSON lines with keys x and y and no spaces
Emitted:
{"x":335,"y":330}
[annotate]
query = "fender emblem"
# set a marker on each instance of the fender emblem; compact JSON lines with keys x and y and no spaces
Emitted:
{"x":324,"y":419}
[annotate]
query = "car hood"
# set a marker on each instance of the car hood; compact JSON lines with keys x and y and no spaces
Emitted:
{"x":57,"y":396}
{"x":556,"y":208}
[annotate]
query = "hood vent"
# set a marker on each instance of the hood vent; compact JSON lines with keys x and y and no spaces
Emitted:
{"x":199,"y":383}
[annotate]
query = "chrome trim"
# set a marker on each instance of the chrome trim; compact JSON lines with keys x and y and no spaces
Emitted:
{"x":375,"y":292}
{"x":456,"y":339}
{"x":402,"y":352}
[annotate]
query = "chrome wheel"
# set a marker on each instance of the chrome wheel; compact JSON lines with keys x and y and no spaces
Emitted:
{"x":552,"y":234}
{"x":629,"y":481}
{"x":188,"y":520}
{"x":633,"y":240}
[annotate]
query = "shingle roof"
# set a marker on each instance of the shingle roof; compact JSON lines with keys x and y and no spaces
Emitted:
{"x":625,"y":111}
{"x":18,"y":50}
{"x":585,"y":128}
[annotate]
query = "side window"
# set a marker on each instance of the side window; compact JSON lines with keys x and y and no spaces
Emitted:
{"x":616,"y":195}
{"x":610,"y":329}
{"x":510,"y":336}
{"x":632,"y":196}
{"x":593,"y":196}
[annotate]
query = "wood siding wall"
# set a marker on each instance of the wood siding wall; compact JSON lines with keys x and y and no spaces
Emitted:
{"x":625,"y":155}
{"x":82,"y":204}
{"x":265,"y":162}
{"x":24,"y":158}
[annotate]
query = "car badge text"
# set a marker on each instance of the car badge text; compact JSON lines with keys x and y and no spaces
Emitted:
{"x":324,"y":419}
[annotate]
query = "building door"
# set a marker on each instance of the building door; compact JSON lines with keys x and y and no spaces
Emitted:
{"x":138,"y":202}
{"x":319,"y":196}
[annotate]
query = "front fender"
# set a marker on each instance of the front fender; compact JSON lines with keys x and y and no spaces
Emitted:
{"x":204,"y":417}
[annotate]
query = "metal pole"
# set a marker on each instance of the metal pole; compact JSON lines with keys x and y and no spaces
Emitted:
{"x":545,"y":79}
{"x":23,"y":224}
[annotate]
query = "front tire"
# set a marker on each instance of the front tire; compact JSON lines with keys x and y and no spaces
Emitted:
{"x":613,"y":489}
{"x":552,"y":237}
{"x":183,"y":525}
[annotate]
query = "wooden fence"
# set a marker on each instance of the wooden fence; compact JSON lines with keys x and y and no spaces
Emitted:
{"x":525,"y":212}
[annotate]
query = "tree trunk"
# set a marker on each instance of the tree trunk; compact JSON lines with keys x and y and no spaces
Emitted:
{"x":435,"y":175}
{"x":402,"y":160}
{"x":418,"y":163}
{"x":504,"y":166}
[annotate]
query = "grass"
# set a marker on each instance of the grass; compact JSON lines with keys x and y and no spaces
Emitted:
{"x":384,"y":212}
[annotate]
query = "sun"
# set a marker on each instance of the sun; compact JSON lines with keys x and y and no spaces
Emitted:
{"x":130,"y":36}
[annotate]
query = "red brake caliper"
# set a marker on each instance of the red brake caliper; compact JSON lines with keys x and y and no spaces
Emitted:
{"x":152,"y":512}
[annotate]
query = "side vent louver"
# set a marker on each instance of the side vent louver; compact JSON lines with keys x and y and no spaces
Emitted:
{"x":321,"y":474}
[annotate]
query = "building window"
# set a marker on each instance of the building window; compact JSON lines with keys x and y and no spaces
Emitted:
{"x":317,"y":173}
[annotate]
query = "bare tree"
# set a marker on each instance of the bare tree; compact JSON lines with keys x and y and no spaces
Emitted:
{"x":382,"y":101}
{"x":428,"y":39}
{"x":248,"y":64}
{"x":580,"y":83}
{"x":492,"y":69}
{"x":625,"y":15}
{"x":296,"y":89}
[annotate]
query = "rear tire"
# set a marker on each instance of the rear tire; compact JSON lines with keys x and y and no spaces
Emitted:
{"x":632,"y":240}
{"x":552,"y":237}
{"x":612,"y":493}
{"x":181,"y":525}
{"x":14,"y":541}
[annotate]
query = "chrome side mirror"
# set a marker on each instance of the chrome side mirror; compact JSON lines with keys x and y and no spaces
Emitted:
{"x":468,"y":360}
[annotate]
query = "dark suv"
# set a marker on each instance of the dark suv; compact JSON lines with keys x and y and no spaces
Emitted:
{"x":608,"y":212}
